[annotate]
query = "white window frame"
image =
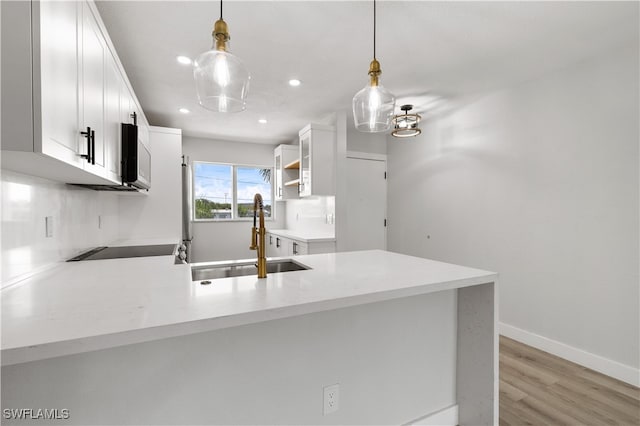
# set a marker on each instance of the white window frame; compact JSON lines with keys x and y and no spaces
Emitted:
{"x":234,"y":190}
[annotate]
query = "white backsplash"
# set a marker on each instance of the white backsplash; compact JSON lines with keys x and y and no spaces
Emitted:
{"x":315,"y":214}
{"x":82,"y":219}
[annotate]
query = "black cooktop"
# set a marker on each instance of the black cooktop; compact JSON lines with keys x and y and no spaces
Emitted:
{"x":126,"y":251}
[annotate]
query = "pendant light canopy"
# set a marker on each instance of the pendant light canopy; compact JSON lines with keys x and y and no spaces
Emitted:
{"x":373,"y":106}
{"x":222,"y":80}
{"x":406,"y":125}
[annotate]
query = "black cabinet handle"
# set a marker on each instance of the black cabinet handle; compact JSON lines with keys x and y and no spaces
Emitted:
{"x":277,"y":242}
{"x":295,"y":248}
{"x":270,"y":240}
{"x":87,"y":135}
{"x":93,"y":147}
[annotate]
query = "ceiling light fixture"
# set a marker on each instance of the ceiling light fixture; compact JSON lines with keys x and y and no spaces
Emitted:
{"x":406,"y":125}
{"x":222,"y":80}
{"x":373,"y":106}
{"x":294,"y":82}
{"x":262,"y":121}
{"x":184,"y":110}
{"x":184,"y":60}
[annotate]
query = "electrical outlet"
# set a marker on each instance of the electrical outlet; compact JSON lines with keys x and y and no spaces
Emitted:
{"x":331,"y":399}
{"x":48,"y":222}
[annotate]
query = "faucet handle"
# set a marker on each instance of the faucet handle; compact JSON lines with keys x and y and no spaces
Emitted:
{"x":254,"y":239}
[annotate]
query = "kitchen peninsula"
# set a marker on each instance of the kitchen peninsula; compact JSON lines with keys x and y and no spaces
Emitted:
{"x":136,"y":340}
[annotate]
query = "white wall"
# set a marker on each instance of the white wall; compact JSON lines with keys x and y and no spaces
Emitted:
{"x":395,"y":362}
{"x":228,"y":240}
{"x":27,"y":200}
{"x":538,"y":182}
{"x":315,"y":214}
{"x":157,"y":213}
{"x":375,"y":143}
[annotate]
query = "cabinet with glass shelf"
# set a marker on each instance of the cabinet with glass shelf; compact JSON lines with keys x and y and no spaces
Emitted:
{"x":286,"y":168}
{"x":317,"y":160}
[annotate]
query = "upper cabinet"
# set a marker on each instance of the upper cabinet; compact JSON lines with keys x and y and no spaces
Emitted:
{"x":317,"y":154}
{"x":59,"y":75}
{"x":92,"y":90}
{"x":64,"y":93}
{"x":286,"y":166}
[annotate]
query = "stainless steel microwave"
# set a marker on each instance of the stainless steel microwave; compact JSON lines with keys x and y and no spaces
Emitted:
{"x":136,"y":159}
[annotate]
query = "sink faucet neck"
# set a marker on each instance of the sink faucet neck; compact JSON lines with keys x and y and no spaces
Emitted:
{"x":258,"y":235}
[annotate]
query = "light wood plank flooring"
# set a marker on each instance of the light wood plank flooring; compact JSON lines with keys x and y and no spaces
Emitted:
{"x":537,"y":388}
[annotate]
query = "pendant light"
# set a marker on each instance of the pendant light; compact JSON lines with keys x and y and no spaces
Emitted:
{"x":373,"y":106}
{"x":406,"y":125}
{"x":222,"y":80}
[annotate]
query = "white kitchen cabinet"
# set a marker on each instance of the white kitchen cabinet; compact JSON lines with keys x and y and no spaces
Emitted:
{"x":60,"y":75}
{"x":92,"y":92}
{"x":298,"y":248}
{"x":317,"y":160}
{"x":287,"y":168}
{"x":280,"y":246}
{"x":112,"y":133}
{"x":276,"y":246}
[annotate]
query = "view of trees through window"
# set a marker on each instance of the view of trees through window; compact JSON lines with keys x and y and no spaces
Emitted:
{"x":224,"y":191}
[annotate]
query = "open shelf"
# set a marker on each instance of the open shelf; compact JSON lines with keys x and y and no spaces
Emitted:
{"x":294,"y":182}
{"x":293,"y":165}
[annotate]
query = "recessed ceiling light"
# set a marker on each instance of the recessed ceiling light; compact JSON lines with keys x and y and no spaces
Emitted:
{"x":294,"y":82}
{"x":184,"y":110}
{"x":184,"y":60}
{"x":262,"y":121}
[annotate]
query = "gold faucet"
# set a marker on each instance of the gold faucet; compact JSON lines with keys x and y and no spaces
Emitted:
{"x":256,"y":233}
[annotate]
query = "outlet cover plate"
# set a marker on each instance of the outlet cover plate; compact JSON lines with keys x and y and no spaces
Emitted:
{"x":331,"y":399}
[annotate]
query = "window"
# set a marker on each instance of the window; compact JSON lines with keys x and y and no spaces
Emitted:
{"x":225,"y":191}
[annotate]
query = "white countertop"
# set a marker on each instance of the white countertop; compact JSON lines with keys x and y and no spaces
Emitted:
{"x":304,"y":236}
{"x":91,"y":305}
{"x":146,"y":241}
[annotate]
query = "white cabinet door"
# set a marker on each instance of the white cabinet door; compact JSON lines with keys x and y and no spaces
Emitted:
{"x":317,"y":160}
{"x":92,"y":89}
{"x":305,"y":164}
{"x":278,"y":186}
{"x":269,"y":241}
{"x":282,"y":246}
{"x":298,"y":248}
{"x":286,"y":169}
{"x":143,"y":132}
{"x":114,"y":84}
{"x":59,"y":81}
{"x":126,"y":103}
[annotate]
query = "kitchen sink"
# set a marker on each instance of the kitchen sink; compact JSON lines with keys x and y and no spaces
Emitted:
{"x":212,"y":271}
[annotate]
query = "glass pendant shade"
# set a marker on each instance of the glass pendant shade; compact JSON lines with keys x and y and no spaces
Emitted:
{"x":373,"y":106}
{"x":373,"y":109}
{"x":222,"y":81}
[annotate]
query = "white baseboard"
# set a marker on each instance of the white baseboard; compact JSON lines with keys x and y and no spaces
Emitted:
{"x":603,"y":365}
{"x":445,"y":417}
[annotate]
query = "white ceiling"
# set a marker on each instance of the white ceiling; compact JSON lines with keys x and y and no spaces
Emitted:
{"x":443,"y":48}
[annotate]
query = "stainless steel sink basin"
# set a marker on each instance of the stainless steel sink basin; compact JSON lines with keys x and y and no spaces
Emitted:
{"x":242,"y":268}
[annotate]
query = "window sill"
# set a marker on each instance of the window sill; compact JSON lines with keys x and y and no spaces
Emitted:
{"x":249,"y":219}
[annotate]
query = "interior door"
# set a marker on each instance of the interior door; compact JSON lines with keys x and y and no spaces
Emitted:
{"x":366,"y":204}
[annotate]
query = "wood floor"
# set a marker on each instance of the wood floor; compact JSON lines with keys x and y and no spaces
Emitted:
{"x":537,"y":388}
